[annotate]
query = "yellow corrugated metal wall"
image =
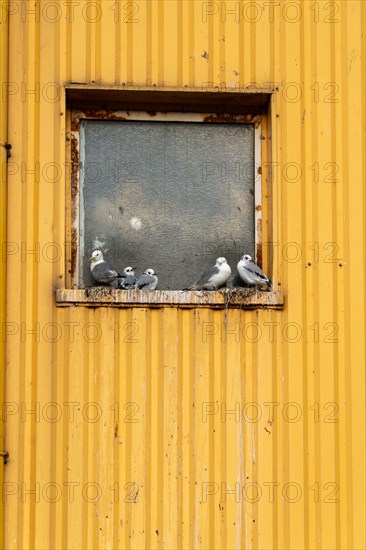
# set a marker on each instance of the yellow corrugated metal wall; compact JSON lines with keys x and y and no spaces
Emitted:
{"x":118,"y":421}
{"x":3,"y":160}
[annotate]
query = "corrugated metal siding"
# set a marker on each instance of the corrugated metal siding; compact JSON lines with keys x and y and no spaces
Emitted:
{"x":170,"y":456}
{"x":3,"y":198}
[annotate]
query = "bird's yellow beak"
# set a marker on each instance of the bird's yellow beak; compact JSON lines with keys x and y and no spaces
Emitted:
{"x":91,"y":258}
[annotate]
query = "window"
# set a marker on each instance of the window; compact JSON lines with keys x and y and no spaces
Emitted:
{"x":154,"y":186}
{"x":170,"y":192}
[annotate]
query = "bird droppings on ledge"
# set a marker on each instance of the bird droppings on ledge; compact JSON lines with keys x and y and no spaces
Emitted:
{"x":239,"y":297}
{"x":97,"y":293}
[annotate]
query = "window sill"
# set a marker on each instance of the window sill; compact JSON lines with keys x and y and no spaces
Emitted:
{"x":107,"y":296}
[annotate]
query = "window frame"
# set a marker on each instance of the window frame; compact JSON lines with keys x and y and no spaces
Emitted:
{"x":265,"y":204}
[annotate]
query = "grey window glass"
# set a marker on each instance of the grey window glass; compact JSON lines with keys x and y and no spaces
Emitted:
{"x":168,"y":195}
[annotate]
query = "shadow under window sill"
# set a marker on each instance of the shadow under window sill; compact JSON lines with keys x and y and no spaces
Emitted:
{"x":228,"y":297}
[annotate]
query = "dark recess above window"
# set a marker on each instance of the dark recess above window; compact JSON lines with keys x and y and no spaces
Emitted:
{"x":153,"y":99}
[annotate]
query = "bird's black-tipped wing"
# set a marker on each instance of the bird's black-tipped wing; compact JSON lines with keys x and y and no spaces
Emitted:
{"x":205,"y":278}
{"x":127,"y":282}
{"x":144,"y":281}
{"x":104,"y":271}
{"x":256,"y":271}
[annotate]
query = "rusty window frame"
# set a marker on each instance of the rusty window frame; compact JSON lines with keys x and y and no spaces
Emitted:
{"x":243,"y":298}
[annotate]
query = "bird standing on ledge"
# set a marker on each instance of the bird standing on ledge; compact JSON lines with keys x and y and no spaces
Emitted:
{"x":102,"y":271}
{"x":147,"y":281}
{"x":250,"y":273}
{"x":215,"y":277}
{"x":128,"y":280}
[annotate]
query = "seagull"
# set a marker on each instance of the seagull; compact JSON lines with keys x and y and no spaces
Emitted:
{"x":102,"y":271}
{"x":214,"y":277}
{"x":128,"y":279}
{"x":250,"y":273}
{"x":147,"y":281}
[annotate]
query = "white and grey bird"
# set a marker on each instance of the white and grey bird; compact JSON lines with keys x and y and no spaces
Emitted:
{"x":250,"y":273}
{"x":102,"y":271}
{"x":147,"y":281}
{"x":128,"y":279}
{"x":215,"y":277}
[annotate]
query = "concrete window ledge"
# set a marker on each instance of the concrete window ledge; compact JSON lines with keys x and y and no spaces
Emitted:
{"x":107,"y":296}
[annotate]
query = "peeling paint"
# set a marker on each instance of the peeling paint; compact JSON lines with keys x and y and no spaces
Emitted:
{"x":233,"y":118}
{"x":246,"y":298}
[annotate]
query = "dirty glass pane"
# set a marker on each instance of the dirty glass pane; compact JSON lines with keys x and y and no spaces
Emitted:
{"x":168,"y":195}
